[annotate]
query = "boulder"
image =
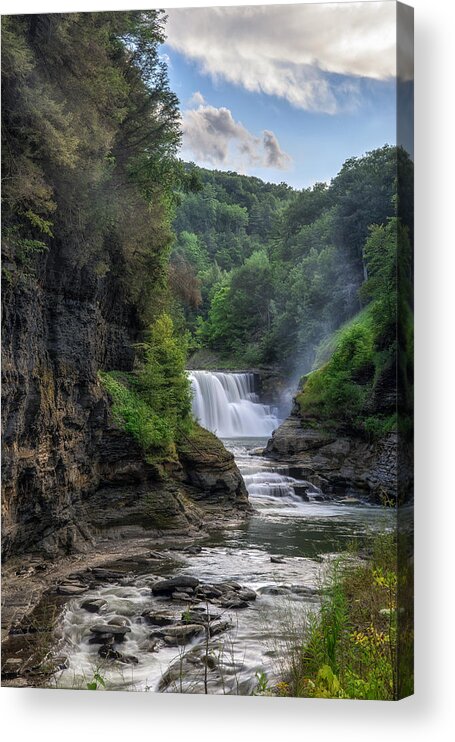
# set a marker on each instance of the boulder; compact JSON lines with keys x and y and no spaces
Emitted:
{"x":118,"y":621}
{"x":232,"y":600}
{"x":218,"y":627}
{"x":158,"y":618}
{"x":110,"y":628}
{"x":177,"y":635}
{"x":182,"y":597}
{"x":69,"y":589}
{"x":247,"y":594}
{"x":108,"y":653}
{"x":174,"y":584}
{"x":96,"y":605}
{"x":208,"y":591}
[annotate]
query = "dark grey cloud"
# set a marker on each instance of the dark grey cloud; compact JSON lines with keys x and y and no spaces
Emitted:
{"x":274,"y":155}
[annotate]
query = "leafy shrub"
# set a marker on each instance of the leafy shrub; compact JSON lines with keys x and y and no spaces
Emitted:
{"x":339,"y":390}
{"x":134,"y":415}
{"x":154,"y":404}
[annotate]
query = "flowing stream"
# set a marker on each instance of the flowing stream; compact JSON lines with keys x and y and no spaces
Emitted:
{"x":279,"y":553}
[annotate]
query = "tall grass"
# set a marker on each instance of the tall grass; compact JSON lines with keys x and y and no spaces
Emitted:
{"x":348,"y":650}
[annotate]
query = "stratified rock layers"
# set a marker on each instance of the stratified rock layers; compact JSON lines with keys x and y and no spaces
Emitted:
{"x":337,"y":463}
{"x":68,"y":473}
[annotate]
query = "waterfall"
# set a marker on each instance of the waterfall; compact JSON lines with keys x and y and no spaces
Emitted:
{"x":226,"y":404}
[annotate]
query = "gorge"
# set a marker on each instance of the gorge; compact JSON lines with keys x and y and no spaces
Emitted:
{"x":247,"y":578}
{"x":168,"y":516}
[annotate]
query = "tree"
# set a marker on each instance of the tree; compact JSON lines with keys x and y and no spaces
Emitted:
{"x":162,"y":380}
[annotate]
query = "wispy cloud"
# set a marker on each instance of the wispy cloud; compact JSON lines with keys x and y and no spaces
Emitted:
{"x":212,"y":136}
{"x":295,"y":52}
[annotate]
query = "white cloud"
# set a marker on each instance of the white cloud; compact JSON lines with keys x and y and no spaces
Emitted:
{"x":289,"y":51}
{"x":212,"y":136}
{"x":197,"y":99}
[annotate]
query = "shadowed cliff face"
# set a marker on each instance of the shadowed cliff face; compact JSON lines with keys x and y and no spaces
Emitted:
{"x":338,"y":464}
{"x":68,"y":473}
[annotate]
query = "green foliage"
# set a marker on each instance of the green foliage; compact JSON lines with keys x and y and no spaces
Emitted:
{"x":349,"y":650}
{"x":97,"y":682}
{"x":340,"y":389}
{"x":154,"y":404}
{"x":134,"y":415}
{"x":262,"y":685}
{"x":314,"y":243}
{"x":162,"y":381}
{"x":89,"y":135}
{"x":357,"y":385}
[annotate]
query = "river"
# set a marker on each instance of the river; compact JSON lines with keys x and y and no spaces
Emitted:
{"x":279,"y":552}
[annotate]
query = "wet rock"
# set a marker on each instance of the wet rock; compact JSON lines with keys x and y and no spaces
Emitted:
{"x":69,"y":589}
{"x":118,"y":621}
{"x":218,"y":627}
{"x":158,"y":618}
{"x":192,"y":549}
{"x":106,"y":575}
{"x":96,"y":605}
{"x":108,"y":653}
{"x":232,"y":600}
{"x":108,"y":633}
{"x":247,"y":594}
{"x":12,"y":667}
{"x":107,"y":639}
{"x":228,"y":586}
{"x":167,"y":587}
{"x":277,"y":559}
{"x":178,"y":635}
{"x":274,"y":590}
{"x":199,"y":616}
{"x":305,"y":590}
{"x":182,"y":597}
{"x":129,"y":659}
{"x":153,"y":645}
{"x":110,"y":628}
{"x":339,"y":464}
{"x":208,"y":591}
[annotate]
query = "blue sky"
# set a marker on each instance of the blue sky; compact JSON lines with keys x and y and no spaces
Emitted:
{"x":286,"y":93}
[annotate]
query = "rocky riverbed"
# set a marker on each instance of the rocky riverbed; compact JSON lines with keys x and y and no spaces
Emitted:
{"x":210,"y":615}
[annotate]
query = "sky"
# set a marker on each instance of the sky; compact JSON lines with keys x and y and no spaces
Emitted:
{"x":284,"y":92}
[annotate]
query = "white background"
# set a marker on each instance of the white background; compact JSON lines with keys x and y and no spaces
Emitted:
{"x":68,"y":715}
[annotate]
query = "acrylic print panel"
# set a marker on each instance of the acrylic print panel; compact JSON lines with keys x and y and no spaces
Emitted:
{"x":207,"y":346}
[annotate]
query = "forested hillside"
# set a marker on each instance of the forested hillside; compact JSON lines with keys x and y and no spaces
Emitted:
{"x":274,"y":271}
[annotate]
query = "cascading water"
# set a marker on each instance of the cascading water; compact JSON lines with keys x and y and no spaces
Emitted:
{"x":289,"y":521}
{"x":226,"y":404}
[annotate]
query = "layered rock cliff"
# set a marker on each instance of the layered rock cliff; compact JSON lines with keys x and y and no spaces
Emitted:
{"x":69,"y":474}
{"x":340,"y":464}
